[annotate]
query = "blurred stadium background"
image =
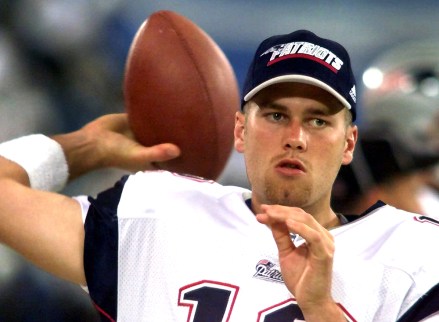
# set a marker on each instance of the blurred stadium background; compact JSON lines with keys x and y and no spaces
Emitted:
{"x":62,"y":64}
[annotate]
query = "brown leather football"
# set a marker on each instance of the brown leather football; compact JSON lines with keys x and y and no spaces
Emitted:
{"x":180,"y":88}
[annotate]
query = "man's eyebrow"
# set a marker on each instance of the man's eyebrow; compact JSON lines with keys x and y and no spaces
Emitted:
{"x":282,"y":108}
{"x":319,"y":111}
{"x":273,"y":106}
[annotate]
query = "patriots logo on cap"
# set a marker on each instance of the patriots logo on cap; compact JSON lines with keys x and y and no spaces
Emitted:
{"x":303,"y":57}
{"x":307,"y":50}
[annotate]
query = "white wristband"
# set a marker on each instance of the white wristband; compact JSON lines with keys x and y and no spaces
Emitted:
{"x":41,"y":157}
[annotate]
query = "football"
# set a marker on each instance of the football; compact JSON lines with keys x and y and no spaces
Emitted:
{"x":180,"y":88}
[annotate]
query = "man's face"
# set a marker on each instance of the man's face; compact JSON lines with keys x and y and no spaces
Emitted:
{"x":294,"y":138}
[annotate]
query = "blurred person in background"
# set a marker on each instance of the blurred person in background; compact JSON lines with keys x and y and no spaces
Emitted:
{"x":387,"y":168}
{"x":400,"y":138}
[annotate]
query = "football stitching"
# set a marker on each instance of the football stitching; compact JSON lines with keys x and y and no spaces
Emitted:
{"x":189,"y":52}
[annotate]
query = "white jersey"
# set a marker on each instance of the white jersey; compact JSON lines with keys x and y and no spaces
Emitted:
{"x":163,"y":247}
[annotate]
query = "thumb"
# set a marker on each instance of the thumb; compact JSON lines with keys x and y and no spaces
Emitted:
{"x":140,"y":158}
{"x":161,"y":152}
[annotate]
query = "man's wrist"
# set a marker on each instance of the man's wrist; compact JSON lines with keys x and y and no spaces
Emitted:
{"x":41,"y":157}
{"x":330,"y":312}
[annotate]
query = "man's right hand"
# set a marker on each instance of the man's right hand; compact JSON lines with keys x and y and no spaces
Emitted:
{"x":109,"y":142}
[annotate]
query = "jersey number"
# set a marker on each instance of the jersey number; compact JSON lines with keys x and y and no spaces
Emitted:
{"x":214,"y":301}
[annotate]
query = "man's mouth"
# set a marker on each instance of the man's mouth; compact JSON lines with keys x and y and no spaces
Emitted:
{"x":291,"y":164}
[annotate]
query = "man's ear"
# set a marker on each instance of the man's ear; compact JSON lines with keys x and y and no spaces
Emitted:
{"x":239,"y":132}
{"x":351,"y":141}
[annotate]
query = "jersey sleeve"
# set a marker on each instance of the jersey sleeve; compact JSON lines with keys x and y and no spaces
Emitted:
{"x":101,"y":250}
{"x":84,"y":204}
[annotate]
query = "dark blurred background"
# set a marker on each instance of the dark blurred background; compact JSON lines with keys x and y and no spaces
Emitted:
{"x":62,"y":64}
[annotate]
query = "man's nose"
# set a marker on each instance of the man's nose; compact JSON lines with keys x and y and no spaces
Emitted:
{"x":295,"y":137}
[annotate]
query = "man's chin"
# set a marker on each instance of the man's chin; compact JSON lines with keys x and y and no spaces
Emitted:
{"x":290,"y":198}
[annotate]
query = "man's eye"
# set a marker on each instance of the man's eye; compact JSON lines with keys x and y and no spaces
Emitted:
{"x":276,"y":116}
{"x":318,"y":122}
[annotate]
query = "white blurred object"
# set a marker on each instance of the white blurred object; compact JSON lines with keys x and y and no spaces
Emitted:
{"x":402,"y":86}
{"x":408,"y":68}
{"x":62,"y":26}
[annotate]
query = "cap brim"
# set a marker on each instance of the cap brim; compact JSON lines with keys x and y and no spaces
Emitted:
{"x":298,"y":79}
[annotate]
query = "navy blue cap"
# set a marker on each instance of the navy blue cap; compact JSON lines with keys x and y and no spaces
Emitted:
{"x":302,"y":57}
